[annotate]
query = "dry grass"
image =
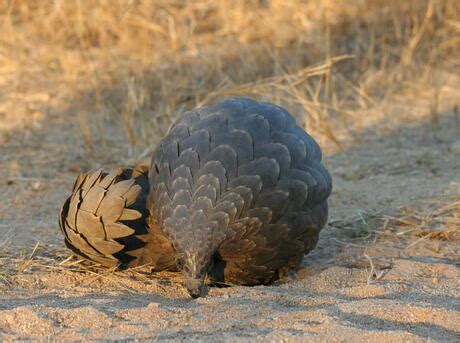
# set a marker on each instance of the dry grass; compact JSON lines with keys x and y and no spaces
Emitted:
{"x":139,"y":64}
{"x":441,"y":224}
{"x":82,"y":275}
{"x":411,"y":232}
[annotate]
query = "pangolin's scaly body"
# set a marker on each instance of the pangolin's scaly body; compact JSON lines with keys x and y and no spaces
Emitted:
{"x":238,"y":191}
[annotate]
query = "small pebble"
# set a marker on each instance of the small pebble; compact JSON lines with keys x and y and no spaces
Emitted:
{"x":36,"y":185}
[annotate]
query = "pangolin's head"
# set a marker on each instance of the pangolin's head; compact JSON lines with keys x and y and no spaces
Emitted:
{"x":195,"y":258}
{"x":195,"y":265}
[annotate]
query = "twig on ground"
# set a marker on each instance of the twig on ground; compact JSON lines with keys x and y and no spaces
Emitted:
{"x":373,"y":274}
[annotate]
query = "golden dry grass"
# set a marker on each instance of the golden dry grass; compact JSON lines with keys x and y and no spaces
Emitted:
{"x":141,"y":63}
{"x":440,"y":224}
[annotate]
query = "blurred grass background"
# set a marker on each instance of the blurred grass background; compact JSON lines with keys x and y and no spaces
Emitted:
{"x":122,"y":70}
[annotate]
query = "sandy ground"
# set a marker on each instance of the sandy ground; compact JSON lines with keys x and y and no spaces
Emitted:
{"x":392,"y":157}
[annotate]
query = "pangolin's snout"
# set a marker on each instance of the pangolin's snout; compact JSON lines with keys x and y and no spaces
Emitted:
{"x":196,"y":288}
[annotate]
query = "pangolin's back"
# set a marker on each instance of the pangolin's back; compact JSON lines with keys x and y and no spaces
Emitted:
{"x":240,"y":181}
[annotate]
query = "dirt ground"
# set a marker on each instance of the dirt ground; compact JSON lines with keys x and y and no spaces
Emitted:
{"x":86,"y":86}
{"x":411,"y":295}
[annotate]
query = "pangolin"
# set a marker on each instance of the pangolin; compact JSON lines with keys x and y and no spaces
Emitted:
{"x":236,"y":193}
